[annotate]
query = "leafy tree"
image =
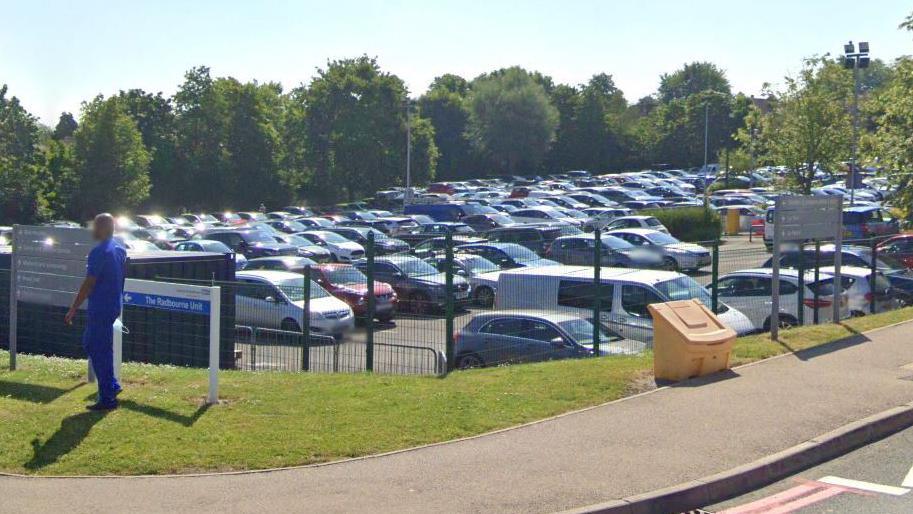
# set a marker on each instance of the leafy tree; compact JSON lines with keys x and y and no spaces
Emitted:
{"x":562,"y":153}
{"x":511,"y":119}
{"x":21,"y":196}
{"x":66,"y":125}
{"x":62,"y":179}
{"x":201,"y":129}
{"x":445,"y":106}
{"x":155,"y":120}
{"x":890,"y":144}
{"x":691,"y":79}
{"x":356,"y":130}
{"x":111,"y":161}
{"x":810,"y":126}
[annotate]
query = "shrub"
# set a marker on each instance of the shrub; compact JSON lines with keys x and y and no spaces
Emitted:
{"x":690,"y":223}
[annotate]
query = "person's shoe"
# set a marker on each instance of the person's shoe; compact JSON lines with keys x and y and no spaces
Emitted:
{"x":102,"y":407}
{"x":118,"y":391}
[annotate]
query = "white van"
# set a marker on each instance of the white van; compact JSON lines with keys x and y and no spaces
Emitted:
{"x":625,"y":294}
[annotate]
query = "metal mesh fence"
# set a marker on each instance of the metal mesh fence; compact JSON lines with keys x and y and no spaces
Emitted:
{"x":452,"y":302}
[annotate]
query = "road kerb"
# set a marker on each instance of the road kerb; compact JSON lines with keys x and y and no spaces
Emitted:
{"x":748,"y":477}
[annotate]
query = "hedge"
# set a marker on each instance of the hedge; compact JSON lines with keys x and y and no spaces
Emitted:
{"x":691,"y":224}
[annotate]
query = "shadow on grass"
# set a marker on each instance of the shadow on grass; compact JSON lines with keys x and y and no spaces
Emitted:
{"x":73,"y":430}
{"x":32,"y":392}
{"x":167,"y":415}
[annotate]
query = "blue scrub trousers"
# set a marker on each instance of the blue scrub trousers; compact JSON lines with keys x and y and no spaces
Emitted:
{"x":98,"y":342}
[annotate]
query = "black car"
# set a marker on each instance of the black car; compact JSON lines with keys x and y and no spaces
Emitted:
{"x":438,"y":245}
{"x":251,"y":242}
{"x":288,"y":226}
{"x":420,"y":286}
{"x":485,"y":222}
{"x":536,"y":237}
{"x":506,"y":255}
{"x":383,"y":244}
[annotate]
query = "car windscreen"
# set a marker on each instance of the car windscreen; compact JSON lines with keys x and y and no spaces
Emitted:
{"x":416,"y":268}
{"x":294,"y":290}
{"x":332,"y":237}
{"x":581,"y":331}
{"x":653,"y":222}
{"x":686,"y":288}
{"x":478,"y":264}
{"x":297,"y":240}
{"x":215,"y":246}
{"x":256,"y":236}
{"x":615,"y":243}
{"x":519,"y":253}
{"x":346,"y":275}
{"x":661,"y":238}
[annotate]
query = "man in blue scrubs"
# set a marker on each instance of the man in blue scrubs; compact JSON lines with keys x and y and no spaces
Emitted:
{"x":104,"y":288}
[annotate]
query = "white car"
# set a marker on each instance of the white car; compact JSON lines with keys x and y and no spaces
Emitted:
{"x":341,"y":249}
{"x":481,"y":273}
{"x":860,"y":293}
{"x":649,"y":222}
{"x":275,"y":300}
{"x":543,"y":215}
{"x":676,"y":255}
{"x":750,"y":291}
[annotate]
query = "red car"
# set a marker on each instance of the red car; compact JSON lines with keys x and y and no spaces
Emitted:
{"x":350,"y":285}
{"x":899,"y":247}
{"x":441,"y":188}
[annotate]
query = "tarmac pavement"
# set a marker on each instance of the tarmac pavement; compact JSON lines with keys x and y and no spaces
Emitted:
{"x":628,"y":447}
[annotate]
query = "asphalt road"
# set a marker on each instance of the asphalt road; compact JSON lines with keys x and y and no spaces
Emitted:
{"x":868,"y":480}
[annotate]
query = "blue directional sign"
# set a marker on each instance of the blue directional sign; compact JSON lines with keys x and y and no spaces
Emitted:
{"x":167,"y":303}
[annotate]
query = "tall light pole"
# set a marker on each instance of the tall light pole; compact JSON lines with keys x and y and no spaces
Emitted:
{"x":855,"y":60}
{"x":407,"y":194}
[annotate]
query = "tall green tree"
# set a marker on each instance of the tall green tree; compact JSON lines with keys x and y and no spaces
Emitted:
{"x":512,"y":121}
{"x":691,"y":79}
{"x":111,"y":160}
{"x":155,"y":120}
{"x":21,"y":194}
{"x":356,"y":125}
{"x":445,"y":106}
{"x":810,"y":125}
{"x":65,"y":127}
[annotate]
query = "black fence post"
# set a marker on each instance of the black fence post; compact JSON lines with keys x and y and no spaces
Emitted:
{"x":715,"y":277}
{"x":872,"y":292}
{"x":306,"y":321}
{"x":448,"y":303}
{"x":800,"y":300}
{"x":597,"y":288}
{"x":818,"y":277}
{"x":369,"y":321}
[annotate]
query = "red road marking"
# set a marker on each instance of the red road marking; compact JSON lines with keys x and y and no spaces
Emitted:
{"x":790,"y":500}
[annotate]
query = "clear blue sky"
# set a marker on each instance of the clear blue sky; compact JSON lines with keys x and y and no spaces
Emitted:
{"x":55,"y":54}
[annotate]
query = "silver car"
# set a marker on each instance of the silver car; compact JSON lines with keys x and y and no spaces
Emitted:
{"x":676,"y":255}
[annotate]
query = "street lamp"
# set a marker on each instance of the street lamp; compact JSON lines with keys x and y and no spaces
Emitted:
{"x":854,"y":60}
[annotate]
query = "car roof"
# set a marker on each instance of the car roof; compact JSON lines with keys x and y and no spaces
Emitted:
{"x":629,"y":274}
{"x":553,"y":316}
{"x":271,"y":276}
{"x":636,"y":230}
{"x":852,"y":271}
{"x":784,"y":272}
{"x":288,"y":259}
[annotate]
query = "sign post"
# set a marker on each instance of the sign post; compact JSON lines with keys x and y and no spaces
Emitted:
{"x":798,"y":219}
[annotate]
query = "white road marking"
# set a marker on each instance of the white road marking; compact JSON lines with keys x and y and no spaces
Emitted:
{"x":865,"y":486}
{"x":908,"y":481}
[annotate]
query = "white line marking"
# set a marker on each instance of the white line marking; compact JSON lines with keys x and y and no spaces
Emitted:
{"x":908,"y":481}
{"x":865,"y":486}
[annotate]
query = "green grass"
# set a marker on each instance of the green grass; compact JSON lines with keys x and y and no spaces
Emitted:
{"x":281,"y":419}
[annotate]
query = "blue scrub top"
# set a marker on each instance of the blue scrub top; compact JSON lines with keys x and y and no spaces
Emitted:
{"x":106,"y":263}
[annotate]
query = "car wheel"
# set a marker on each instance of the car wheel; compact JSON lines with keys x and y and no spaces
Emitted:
{"x":485,"y":297}
{"x":290,"y":325}
{"x":786,"y":322}
{"x":420,"y":303}
{"x":670,"y":264}
{"x":469,"y":361}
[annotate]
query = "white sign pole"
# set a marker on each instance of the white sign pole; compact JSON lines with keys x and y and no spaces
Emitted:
{"x":215,"y":318}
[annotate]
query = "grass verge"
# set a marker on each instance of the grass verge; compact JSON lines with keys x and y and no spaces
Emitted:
{"x":282,"y":419}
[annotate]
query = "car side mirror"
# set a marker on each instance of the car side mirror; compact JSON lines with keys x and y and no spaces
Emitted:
{"x":559,"y":342}
{"x":271,"y":299}
{"x":461,"y":272}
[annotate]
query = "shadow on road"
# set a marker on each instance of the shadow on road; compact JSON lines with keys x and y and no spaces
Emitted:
{"x":32,"y":392}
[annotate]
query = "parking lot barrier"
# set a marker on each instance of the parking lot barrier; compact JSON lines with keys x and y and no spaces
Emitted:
{"x":449,"y":301}
{"x":369,"y":318}
{"x":817,"y":278}
{"x":715,"y":276}
{"x":874,"y":270}
{"x":597,"y":297}
{"x":306,"y":321}
{"x":800,"y":304}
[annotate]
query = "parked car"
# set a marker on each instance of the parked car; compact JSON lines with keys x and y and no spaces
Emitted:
{"x":417,"y":284}
{"x":383,"y":244}
{"x":750,"y":292}
{"x":287,"y":226}
{"x":899,"y":247}
{"x":250,"y":242}
{"x":624,"y":296}
{"x":305,"y":247}
{"x":861,"y":293}
{"x":675,"y":254}
{"x":212,"y":246}
{"x":288,"y":264}
{"x":152,"y":220}
{"x":616,"y":252}
{"x":535,"y":237}
{"x":649,"y":222}
{"x":438,"y":245}
{"x":481,"y":273}
{"x":275,"y":299}
{"x":350,"y":285}
{"x":865,"y":221}
{"x":165,"y":239}
{"x":502,"y":337}
{"x":249,"y":216}
{"x":506,"y":255}
{"x":340,"y":248}
{"x":485,"y":222}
